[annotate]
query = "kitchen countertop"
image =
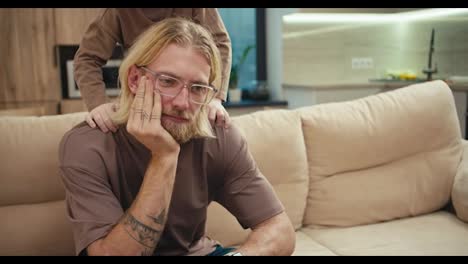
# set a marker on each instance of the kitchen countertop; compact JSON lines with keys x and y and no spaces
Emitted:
{"x":398,"y":84}
{"x":373,"y":84}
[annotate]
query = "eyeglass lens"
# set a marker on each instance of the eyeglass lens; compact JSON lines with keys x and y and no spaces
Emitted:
{"x":170,"y":86}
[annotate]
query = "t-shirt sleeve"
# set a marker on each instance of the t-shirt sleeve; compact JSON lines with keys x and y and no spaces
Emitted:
{"x":211,"y":19}
{"x":95,"y":49}
{"x":92,"y":207}
{"x":246,"y":193}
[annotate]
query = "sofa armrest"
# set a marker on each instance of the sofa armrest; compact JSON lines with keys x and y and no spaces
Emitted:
{"x":460,"y":186}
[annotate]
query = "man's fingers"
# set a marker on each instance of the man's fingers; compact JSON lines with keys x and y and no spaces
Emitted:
{"x":137,"y":106}
{"x":212,"y":115}
{"x":147,"y":102}
{"x":157,"y":109}
{"x":220,"y":118}
{"x":90,"y":121}
{"x":227,"y":120}
{"x":100,"y":122}
{"x":108,"y":123}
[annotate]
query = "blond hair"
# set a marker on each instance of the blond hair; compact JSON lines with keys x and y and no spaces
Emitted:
{"x":148,"y":47}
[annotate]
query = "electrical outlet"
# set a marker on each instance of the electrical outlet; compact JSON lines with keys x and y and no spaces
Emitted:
{"x":368,"y":63}
{"x":362,"y":63}
{"x":355,"y":63}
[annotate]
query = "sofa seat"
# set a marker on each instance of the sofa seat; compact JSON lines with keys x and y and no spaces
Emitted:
{"x":420,"y":235}
{"x":306,"y":246}
{"x":366,"y":177}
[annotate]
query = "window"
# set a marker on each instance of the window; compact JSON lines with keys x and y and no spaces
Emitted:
{"x":246,"y":26}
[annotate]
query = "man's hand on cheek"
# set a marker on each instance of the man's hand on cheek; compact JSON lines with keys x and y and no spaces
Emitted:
{"x":144,"y":121}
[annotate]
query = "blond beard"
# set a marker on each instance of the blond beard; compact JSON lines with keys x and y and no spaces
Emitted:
{"x":197,"y":128}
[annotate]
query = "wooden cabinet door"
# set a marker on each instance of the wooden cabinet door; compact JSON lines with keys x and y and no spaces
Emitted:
{"x":71,"y":23}
{"x":28,"y":72}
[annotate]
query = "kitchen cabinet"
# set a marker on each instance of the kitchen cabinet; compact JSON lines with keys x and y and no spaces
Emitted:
{"x":348,"y":10}
{"x":68,"y":106}
{"x":71,"y":23}
{"x":29,"y":108}
{"x":29,"y":73}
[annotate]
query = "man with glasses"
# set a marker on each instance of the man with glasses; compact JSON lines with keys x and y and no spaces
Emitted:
{"x":145,"y":189}
{"x":123,"y":25}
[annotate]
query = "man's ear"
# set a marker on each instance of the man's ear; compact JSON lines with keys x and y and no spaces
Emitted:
{"x":134,"y":75}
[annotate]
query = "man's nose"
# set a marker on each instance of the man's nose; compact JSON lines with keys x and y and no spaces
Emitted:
{"x":181,"y":101}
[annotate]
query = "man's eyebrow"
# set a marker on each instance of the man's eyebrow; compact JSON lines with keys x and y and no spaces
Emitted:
{"x":179,"y":77}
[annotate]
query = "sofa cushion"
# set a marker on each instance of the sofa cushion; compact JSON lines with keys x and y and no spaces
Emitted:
{"x":382,"y":157}
{"x":460,"y":187}
{"x":306,"y":246}
{"x":29,"y":163}
{"x":35,"y":229}
{"x":439,"y":233}
{"x":275,"y":140}
{"x":222,"y":226}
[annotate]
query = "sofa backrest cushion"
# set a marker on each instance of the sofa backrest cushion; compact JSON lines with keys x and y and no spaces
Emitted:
{"x":382,"y":157}
{"x":460,"y":186}
{"x":276,"y":142}
{"x":31,"y":190}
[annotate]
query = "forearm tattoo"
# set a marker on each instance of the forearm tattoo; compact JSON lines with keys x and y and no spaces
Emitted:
{"x":160,"y":218}
{"x":147,"y":252}
{"x":141,"y":233}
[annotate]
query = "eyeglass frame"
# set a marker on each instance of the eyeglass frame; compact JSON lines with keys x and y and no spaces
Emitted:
{"x":185,"y":85}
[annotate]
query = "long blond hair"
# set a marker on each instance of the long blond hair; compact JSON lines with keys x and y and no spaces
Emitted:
{"x":148,"y":47}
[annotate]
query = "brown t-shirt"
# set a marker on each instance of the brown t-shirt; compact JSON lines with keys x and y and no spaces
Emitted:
{"x":124,"y":25}
{"x":102,"y":174}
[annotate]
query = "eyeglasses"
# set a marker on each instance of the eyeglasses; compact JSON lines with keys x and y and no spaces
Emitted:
{"x":172,"y":86}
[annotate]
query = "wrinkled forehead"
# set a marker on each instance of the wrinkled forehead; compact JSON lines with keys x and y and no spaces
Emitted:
{"x":185,"y":62}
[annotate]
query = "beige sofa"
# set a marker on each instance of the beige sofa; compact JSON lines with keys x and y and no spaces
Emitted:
{"x":374,"y":176}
